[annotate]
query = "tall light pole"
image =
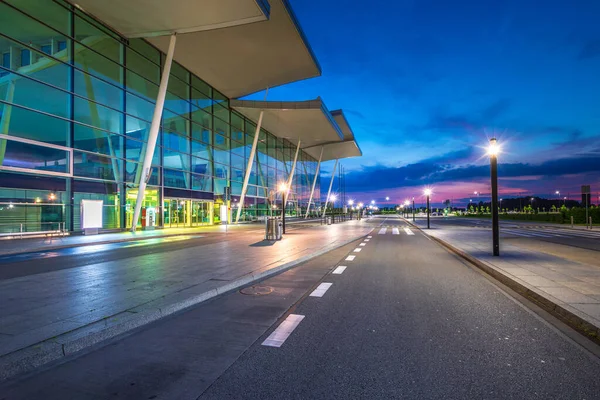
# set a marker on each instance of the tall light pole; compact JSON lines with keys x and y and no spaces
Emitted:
{"x":428,"y":193}
{"x":283,"y":188}
{"x":493,"y":151}
{"x":413,"y":209}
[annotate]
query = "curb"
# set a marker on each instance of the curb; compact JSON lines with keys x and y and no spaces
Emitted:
{"x":69,"y":343}
{"x":582,"y":326}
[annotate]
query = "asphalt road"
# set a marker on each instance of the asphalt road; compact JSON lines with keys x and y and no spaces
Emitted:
{"x":405,"y":319}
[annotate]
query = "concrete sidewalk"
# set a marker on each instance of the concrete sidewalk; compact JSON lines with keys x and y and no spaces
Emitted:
{"x":46,"y":316}
{"x":27,"y":245}
{"x":568,"y":289}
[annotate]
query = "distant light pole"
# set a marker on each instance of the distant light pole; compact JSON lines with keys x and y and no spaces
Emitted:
{"x":406,"y":204}
{"x":413,"y":209}
{"x":428,"y":193}
{"x":283,"y":188}
{"x":493,"y":151}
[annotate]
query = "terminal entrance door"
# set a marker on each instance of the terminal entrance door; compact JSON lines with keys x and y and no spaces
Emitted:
{"x":179,"y":213}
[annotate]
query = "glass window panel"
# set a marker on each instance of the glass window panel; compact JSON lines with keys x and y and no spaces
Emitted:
{"x":146,"y":49}
{"x":201,"y":86}
{"x":97,"y":39}
{"x":238,"y":175}
{"x":238,"y":149}
{"x":35,"y":126}
{"x":177,"y":105}
{"x":181,"y":73}
{"x":221,"y":113}
{"x":201,"y":117}
{"x":176,"y":179}
{"x":220,"y":186}
{"x":95,"y":166}
{"x":202,"y":150}
{"x":176,"y":123}
{"x":54,"y":73}
{"x":133,"y":148}
{"x":221,"y":156}
{"x":98,"y":65}
{"x":143,"y":66}
{"x":202,"y":182}
{"x":37,"y":96}
{"x":237,"y":121}
{"x":25,"y":57}
{"x":97,"y":115}
{"x":138,"y":107}
{"x":220,"y":99}
{"x":97,"y":141}
{"x":34,"y":157}
{"x":46,"y":49}
{"x":133,"y":168}
{"x":141,"y":87}
{"x":221,"y":142}
{"x":27,"y":30}
{"x":201,"y":100}
{"x":51,"y":13}
{"x":137,"y":129}
{"x":201,"y":166}
{"x":238,"y":162}
{"x":236,"y":189}
{"x":201,"y":134}
{"x":97,"y":90}
{"x":176,"y":142}
{"x":176,"y":160}
{"x":221,"y":171}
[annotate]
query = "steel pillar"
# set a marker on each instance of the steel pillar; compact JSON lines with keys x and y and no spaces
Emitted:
{"x":312,"y":191}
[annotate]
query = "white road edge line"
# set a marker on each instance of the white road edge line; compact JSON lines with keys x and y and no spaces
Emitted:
{"x":339,"y":270}
{"x":321,"y":289}
{"x":350,"y":258}
{"x":283,"y":331}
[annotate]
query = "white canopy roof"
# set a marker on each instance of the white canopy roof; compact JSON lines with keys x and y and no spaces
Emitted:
{"x":237,"y":46}
{"x":307,"y":121}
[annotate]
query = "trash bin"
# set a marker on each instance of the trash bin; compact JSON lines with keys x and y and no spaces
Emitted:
{"x":329,"y":220}
{"x":273,"y":228}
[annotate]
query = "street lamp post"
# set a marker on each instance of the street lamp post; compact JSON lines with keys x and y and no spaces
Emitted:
{"x":413,"y":209}
{"x":283,"y":189}
{"x":428,"y":193}
{"x":493,"y":153}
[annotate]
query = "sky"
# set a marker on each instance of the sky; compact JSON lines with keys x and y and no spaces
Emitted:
{"x":425,"y":84}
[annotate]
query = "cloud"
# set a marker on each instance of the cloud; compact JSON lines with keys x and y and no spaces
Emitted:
{"x":439,"y":169}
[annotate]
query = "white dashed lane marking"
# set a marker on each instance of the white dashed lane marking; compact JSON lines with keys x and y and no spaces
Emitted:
{"x":350,"y":258}
{"x":283,"y":331}
{"x":321,"y":289}
{"x":339,"y":270}
{"x":362,"y":244}
{"x":357,"y":250}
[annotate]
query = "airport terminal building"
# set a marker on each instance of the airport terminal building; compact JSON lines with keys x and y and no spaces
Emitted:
{"x":137,"y":103}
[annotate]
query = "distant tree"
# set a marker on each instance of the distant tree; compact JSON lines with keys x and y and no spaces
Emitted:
{"x":487,"y":209}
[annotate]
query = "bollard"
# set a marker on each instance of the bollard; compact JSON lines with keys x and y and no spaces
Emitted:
{"x":571,"y":221}
{"x":590,"y":222}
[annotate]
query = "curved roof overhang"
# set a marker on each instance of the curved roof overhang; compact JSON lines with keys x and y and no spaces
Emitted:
{"x":237,"y":46}
{"x":307,"y":121}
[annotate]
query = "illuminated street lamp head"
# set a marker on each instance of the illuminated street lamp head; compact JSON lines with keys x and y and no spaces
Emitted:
{"x":333,"y":197}
{"x":360,"y":205}
{"x":493,"y":148}
{"x":350,"y":202}
{"x":386,"y":198}
{"x":282,"y":187}
{"x":427,"y":192}
{"x":557,"y":192}
{"x":406,"y":202}
{"x":372,"y":201}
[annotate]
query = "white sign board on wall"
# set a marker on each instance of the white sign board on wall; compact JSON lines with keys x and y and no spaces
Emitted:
{"x":91,"y":214}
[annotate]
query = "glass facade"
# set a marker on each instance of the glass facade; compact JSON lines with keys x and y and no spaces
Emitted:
{"x":76,"y":103}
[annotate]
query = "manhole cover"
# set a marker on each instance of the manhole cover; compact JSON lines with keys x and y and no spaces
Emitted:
{"x":257,"y":290}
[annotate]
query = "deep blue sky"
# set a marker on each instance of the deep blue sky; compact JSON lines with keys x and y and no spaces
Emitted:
{"x":425,"y":83}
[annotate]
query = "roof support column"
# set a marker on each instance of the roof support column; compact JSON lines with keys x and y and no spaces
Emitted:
{"x":291,"y":177}
{"x":153,"y":135}
{"x":330,"y":185}
{"x":312,"y":191}
{"x":250,"y":162}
